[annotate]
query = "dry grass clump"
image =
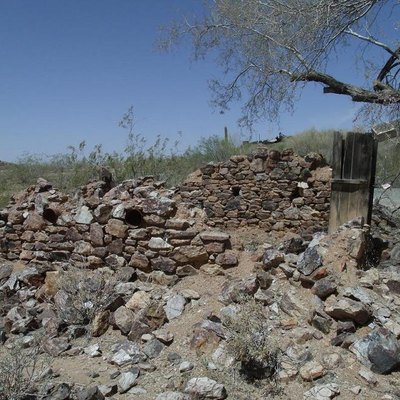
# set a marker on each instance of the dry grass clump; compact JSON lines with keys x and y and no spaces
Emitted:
{"x":22,"y":373}
{"x":250,"y":342}
{"x":82,"y":294}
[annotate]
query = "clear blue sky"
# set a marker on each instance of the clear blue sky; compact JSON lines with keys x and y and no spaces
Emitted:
{"x":69,"y":69}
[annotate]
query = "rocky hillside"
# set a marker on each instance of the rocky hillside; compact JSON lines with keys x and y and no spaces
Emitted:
{"x":123,"y":293}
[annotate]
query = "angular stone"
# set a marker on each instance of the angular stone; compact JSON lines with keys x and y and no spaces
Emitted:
{"x":83,"y":248}
{"x":234,"y":291}
{"x":123,"y":319}
{"x":156,"y":243}
{"x":175,"y":306}
{"x":127,"y":380}
{"x":347,"y":309}
{"x":193,"y":255}
{"x":272,"y":258}
{"x":140,"y":261}
{"x":34,"y":222}
{"x":227,"y":260}
{"x":92,"y":350}
{"x":100,"y":323}
{"x":103,"y":213}
{"x":139,"y":301}
{"x":186,"y":270}
{"x":214,"y":236}
{"x":56,"y":346}
{"x":164,"y":264}
{"x":309,"y":261}
{"x":96,"y":234}
{"x":126,"y":352}
{"x":92,"y":393}
{"x":325,"y":287}
{"x":322,"y":392}
{"x":116,"y":228}
{"x":379,"y":350}
{"x":115,"y":262}
{"x":311,"y":371}
{"x":83,"y":216}
{"x":153,"y":348}
{"x":204,"y":387}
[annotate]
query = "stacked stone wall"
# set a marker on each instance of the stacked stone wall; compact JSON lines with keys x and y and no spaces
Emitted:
{"x":132,"y":225}
{"x":271,"y":190}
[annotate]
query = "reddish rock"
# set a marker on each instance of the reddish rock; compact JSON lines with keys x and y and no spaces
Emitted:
{"x":140,"y":261}
{"x":227,"y":260}
{"x":215,"y":247}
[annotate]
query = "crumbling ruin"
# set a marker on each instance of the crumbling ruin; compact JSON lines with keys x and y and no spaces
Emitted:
{"x":135,"y":222}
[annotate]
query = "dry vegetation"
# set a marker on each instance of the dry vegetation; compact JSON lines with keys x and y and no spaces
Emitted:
{"x":76,"y":167}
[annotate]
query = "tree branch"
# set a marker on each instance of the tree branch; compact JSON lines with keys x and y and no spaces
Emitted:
{"x":356,"y":93}
{"x":371,"y":40}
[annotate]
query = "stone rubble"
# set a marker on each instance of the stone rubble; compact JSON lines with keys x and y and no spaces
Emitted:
{"x":331,"y":311}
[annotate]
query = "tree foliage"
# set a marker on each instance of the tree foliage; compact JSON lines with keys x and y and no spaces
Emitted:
{"x":270,"y":48}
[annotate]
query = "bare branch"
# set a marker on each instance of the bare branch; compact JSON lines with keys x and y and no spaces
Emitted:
{"x":357,"y":94}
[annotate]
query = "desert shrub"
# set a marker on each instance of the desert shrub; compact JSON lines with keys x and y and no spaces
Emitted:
{"x":250,"y":342}
{"x":21,"y":373}
{"x":82,"y":294}
{"x":311,"y":140}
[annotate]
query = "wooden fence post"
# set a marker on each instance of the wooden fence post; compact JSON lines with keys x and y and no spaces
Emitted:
{"x":353,"y":178}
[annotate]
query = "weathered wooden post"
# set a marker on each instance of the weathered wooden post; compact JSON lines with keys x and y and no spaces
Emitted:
{"x":353,"y":178}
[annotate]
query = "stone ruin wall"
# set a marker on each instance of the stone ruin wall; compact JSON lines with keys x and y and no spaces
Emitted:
{"x":272,"y":190}
{"x":136,"y":223}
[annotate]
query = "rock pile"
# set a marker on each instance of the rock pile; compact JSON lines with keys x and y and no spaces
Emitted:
{"x":330,"y":326}
{"x":272,"y":190}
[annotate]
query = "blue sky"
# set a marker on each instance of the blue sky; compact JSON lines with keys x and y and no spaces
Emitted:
{"x":69,"y":69}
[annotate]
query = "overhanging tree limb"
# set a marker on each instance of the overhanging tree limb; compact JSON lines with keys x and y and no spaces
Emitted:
{"x":357,"y":94}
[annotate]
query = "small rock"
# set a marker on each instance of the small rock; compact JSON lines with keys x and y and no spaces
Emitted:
{"x":311,"y":371}
{"x":325,"y":287}
{"x":322,"y":392}
{"x":108,"y":390}
{"x":227,"y":260}
{"x":205,"y":388}
{"x":164,"y":336}
{"x":309,"y":261}
{"x":186,"y":366}
{"x":356,"y":389}
{"x":127,"y":380}
{"x":153,"y":348}
{"x":92,"y":350}
{"x":272,"y":258}
{"x":172,"y":396}
{"x":174,"y":358}
{"x":345,"y":309}
{"x":368,"y":376}
{"x":92,"y":393}
{"x":175,"y":306}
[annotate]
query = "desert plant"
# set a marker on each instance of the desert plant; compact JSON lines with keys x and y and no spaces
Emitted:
{"x":250,"y":342}
{"x":21,"y":373}
{"x":82,"y":294}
